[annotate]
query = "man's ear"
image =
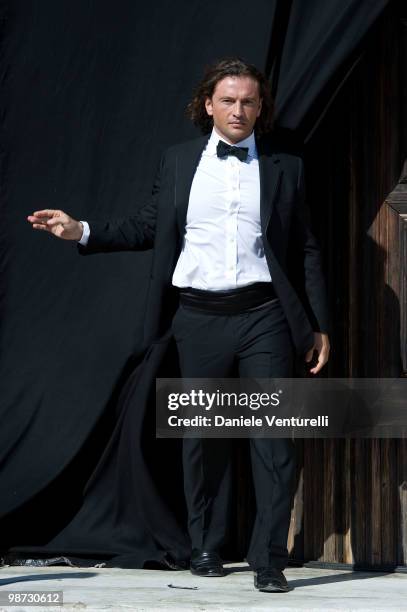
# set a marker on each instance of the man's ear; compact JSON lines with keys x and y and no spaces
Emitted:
{"x":260,"y":105}
{"x":208,"y":106}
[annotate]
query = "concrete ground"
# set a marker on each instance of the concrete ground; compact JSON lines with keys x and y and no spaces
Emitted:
{"x":149,"y":590}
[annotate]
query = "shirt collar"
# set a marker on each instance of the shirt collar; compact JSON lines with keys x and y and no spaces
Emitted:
{"x":249,"y":142}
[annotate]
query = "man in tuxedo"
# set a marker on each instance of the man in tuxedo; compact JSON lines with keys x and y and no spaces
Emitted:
{"x":237,"y":276}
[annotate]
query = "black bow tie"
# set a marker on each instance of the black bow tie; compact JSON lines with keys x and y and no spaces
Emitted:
{"x":223,"y":150}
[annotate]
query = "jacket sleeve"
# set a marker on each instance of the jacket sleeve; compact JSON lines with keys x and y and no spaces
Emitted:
{"x":132,"y":233}
{"x":310,"y":282}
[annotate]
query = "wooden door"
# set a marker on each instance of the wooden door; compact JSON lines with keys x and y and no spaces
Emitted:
{"x":351,"y":500}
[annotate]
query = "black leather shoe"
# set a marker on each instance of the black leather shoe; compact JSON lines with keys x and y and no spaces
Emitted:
{"x":206,"y":563}
{"x":270,"y":580}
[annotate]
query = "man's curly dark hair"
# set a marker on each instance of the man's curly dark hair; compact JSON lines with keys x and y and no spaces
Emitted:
{"x":230,"y":66}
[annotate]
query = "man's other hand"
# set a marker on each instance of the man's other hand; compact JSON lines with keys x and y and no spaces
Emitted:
{"x":58,"y":223}
{"x":322,"y":347}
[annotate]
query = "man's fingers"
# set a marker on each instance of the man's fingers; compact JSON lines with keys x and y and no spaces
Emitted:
{"x":33,"y":219}
{"x":318,"y":367}
{"x":322,"y":360}
{"x":56,"y":221}
{"x":41,"y":226}
{"x":41,"y":216}
{"x":308,"y":356}
{"x":46,"y":212}
{"x":322,"y":347}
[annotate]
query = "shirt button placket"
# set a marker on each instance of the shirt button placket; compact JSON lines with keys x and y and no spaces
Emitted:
{"x":229,"y":250}
{"x":235,"y":208}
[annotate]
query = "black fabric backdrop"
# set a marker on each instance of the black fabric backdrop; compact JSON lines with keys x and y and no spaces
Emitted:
{"x":92,"y":92}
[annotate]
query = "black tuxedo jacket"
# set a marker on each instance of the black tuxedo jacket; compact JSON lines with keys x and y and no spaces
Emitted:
{"x":291,"y":251}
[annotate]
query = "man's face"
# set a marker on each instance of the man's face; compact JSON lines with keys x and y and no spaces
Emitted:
{"x":234,"y":106}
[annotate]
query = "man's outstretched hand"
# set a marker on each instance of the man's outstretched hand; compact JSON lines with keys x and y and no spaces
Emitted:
{"x":56,"y":222}
{"x":322,"y":347}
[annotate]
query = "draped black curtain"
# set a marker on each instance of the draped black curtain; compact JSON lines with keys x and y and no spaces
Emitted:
{"x":91,"y":94}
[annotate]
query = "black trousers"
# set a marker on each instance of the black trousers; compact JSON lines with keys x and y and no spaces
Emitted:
{"x":210,"y":345}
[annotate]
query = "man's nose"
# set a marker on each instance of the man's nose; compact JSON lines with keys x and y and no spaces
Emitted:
{"x":238,"y":109}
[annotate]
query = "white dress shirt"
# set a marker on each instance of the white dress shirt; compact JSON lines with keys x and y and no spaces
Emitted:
{"x":85,"y":234}
{"x":223,"y":246}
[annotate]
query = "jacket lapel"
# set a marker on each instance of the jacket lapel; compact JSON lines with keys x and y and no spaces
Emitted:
{"x":270,"y":180}
{"x":185,"y":166}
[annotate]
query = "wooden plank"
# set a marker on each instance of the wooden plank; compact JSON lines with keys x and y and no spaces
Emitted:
{"x":347,"y":503}
{"x":296,"y":532}
{"x":331,"y":484}
{"x":376,"y":524}
{"x":402,"y":497}
{"x":360,"y":502}
{"x":389,"y":502}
